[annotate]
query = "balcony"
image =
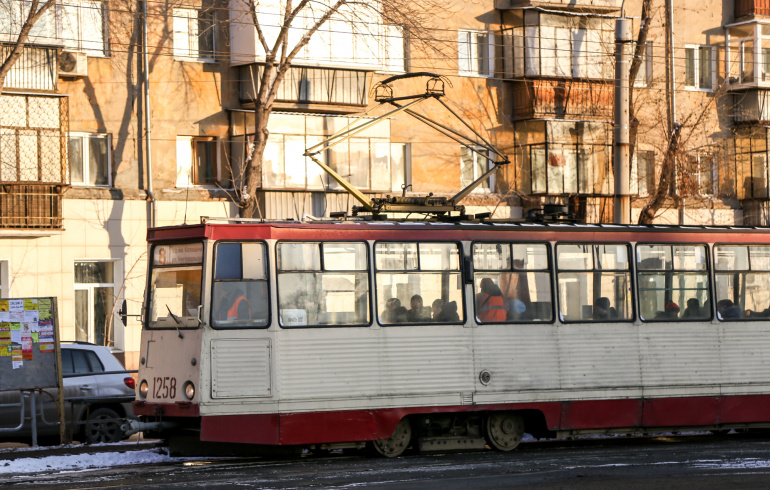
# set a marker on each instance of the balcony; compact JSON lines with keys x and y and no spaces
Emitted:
{"x":579,"y":5}
{"x":562,"y":99}
{"x":745,"y":8}
{"x":33,"y":161}
{"x":311,"y":88}
{"x":36,"y":69}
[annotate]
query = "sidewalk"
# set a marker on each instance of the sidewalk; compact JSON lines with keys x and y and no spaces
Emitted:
{"x":10,"y":451}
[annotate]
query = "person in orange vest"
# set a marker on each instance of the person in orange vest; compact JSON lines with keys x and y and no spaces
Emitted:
{"x":234,"y":306}
{"x":490,"y":306}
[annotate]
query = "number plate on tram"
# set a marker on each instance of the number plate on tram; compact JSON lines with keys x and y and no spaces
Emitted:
{"x":164,"y":387}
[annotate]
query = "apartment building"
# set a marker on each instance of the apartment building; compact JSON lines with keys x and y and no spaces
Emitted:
{"x":82,"y":175}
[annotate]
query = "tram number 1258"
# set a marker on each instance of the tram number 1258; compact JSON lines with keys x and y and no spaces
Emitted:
{"x":164,"y":387}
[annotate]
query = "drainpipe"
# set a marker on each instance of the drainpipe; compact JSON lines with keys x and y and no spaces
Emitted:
{"x":147,"y":131}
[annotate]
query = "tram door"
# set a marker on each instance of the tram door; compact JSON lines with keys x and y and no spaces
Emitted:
{"x":240,"y":362}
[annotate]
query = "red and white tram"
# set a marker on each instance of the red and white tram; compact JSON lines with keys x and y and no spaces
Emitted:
{"x":452,"y":335}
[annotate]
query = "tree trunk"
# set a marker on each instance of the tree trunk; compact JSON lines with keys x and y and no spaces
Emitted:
{"x":252,"y":171}
{"x":667,"y":179}
{"x":636,"y":64}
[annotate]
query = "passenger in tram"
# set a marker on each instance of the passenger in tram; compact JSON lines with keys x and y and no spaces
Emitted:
{"x":417,"y":312}
{"x":693,"y":309}
{"x":394,"y":312}
{"x":490,"y":305}
{"x":231,"y":303}
{"x":671,"y":312}
{"x":517,"y":310}
{"x":602,"y":309}
{"x":444,"y":312}
{"x":727,"y":309}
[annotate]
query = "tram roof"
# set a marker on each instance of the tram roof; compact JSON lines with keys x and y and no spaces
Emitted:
{"x":223,"y":228}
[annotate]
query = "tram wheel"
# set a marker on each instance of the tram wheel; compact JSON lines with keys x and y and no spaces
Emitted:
{"x":396,"y":444}
{"x":504,"y":430}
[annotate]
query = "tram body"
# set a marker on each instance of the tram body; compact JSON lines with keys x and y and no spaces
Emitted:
{"x":589,"y":341}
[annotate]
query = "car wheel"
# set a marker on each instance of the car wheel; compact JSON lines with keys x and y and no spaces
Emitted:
{"x":103,"y":426}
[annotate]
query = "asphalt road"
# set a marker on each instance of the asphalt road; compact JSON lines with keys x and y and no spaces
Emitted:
{"x":701,"y":461}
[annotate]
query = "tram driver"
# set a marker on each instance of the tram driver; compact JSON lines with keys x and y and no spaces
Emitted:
{"x":231,"y":303}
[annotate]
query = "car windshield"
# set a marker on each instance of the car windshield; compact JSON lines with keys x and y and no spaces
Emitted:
{"x":175,"y":289}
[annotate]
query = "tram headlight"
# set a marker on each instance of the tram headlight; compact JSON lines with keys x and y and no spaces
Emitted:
{"x":189,"y":390}
{"x":144,"y":388}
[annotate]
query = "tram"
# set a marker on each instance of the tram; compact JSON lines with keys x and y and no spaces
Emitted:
{"x":400,"y":334}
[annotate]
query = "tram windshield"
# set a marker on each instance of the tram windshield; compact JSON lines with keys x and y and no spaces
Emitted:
{"x":175,"y":288}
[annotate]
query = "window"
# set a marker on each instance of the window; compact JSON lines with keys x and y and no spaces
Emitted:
{"x":594,"y":282}
{"x":557,"y":157}
{"x":364,"y":160}
{"x":742,"y":274}
{"x":197,"y":161}
{"x":175,"y":285}
{"x":94,"y":301}
{"x":673,"y":282}
{"x":418,"y":283}
{"x":475,"y":53}
{"x":323,"y":283}
{"x":699,"y":67}
{"x":83,"y":27}
{"x":474,"y":163}
{"x":750,"y":174}
{"x":194,"y":34}
{"x":240,"y":290}
{"x":400,"y":166}
{"x":560,"y":45}
{"x":89,"y":159}
{"x":645,"y":172}
{"x":519,"y":274}
{"x":644,"y":75}
{"x":78,"y":361}
{"x":700,"y":175}
{"x":15,"y":13}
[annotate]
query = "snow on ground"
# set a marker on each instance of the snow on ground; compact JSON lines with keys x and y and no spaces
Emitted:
{"x":82,"y":461}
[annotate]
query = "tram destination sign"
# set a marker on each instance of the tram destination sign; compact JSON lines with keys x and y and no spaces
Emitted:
{"x":183,"y":253}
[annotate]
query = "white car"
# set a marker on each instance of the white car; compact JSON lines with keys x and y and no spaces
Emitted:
{"x":97,"y":389}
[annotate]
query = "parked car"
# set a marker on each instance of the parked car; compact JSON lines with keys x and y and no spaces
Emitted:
{"x":97,"y":389}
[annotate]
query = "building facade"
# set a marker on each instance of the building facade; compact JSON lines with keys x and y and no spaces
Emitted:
{"x":82,"y":174}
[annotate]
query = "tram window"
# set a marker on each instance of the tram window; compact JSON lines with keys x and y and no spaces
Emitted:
{"x":594,"y":282}
{"x":323,"y":284}
{"x":418,"y":283}
{"x":512,"y":283}
{"x":673,"y":282}
{"x":240,"y":290}
{"x":175,"y":285}
{"x":742,"y":274}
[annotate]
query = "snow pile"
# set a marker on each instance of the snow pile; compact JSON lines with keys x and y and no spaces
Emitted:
{"x":82,"y":461}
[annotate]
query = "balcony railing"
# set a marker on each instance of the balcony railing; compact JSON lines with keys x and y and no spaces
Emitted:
{"x":562,"y":98}
{"x":33,"y":160}
{"x":34,"y":206}
{"x":36,"y":68}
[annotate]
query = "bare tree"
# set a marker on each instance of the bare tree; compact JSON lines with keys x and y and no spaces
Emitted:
{"x":280,"y":52}
{"x":36,"y":11}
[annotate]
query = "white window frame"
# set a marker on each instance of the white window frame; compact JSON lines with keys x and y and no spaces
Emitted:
{"x":5,"y":286}
{"x":117,"y":278}
{"x":696,"y":61}
{"x":185,"y":28}
{"x":185,"y":153}
{"x":468,"y":51}
{"x":87,"y":155}
{"x":490,"y":180}
{"x":644,"y":76}
{"x":79,"y":43}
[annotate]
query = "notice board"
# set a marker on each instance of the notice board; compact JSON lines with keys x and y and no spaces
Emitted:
{"x":29,"y":339}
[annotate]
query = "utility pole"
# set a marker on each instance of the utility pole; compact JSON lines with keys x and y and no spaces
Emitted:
{"x":622,"y":157}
